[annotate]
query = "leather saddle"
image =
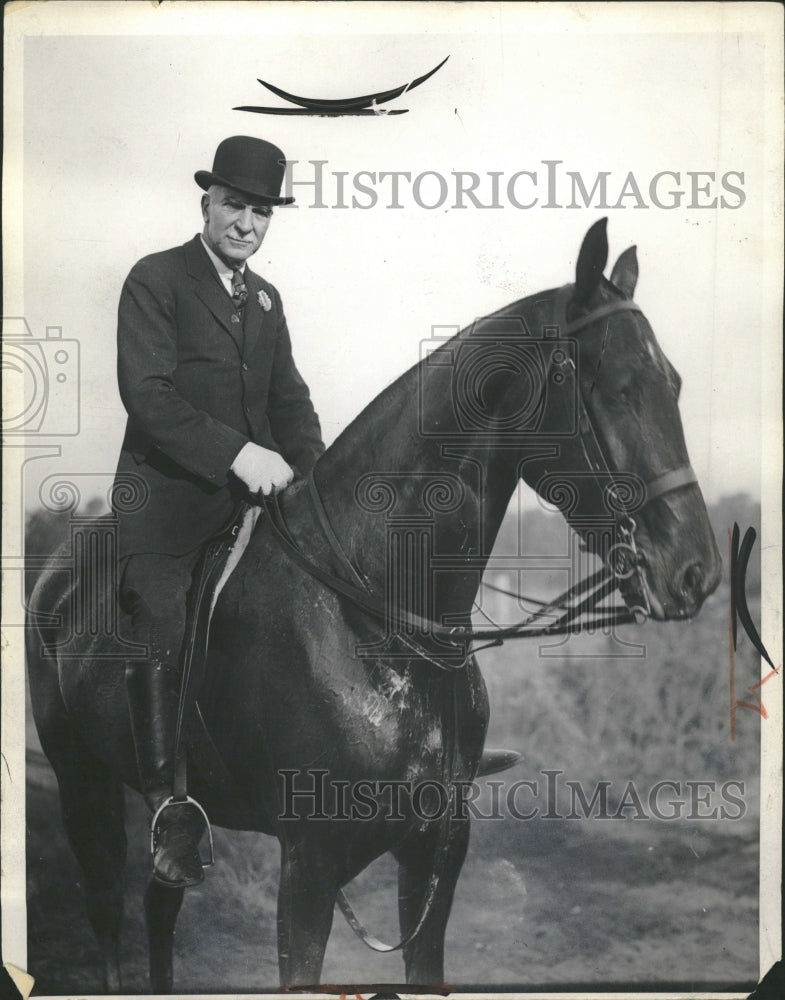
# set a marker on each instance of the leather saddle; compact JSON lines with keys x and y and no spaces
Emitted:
{"x":216,"y":564}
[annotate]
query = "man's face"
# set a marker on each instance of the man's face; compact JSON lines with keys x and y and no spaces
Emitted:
{"x":234,"y":226}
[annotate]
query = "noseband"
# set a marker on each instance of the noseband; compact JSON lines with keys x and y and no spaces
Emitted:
{"x":562,"y":615}
{"x":564,"y":612}
{"x":623,"y":559}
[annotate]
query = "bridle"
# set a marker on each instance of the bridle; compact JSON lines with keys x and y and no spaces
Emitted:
{"x":565,"y":614}
{"x":622,"y":562}
{"x":623,"y":558}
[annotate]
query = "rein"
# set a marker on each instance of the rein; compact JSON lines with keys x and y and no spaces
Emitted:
{"x":564,"y":615}
{"x":449,"y":721}
{"x":363,"y":599}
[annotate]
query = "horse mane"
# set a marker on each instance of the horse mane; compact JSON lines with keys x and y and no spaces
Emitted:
{"x":394,"y":402}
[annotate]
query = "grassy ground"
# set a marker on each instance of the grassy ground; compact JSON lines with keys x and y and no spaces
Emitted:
{"x":540,"y":902}
{"x":547,"y":902}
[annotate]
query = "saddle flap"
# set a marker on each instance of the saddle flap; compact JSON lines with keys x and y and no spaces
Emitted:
{"x":218,"y":562}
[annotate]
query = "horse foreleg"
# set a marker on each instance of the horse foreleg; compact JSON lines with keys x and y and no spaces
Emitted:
{"x":161,"y":906}
{"x":306,"y":899}
{"x":424,"y":956}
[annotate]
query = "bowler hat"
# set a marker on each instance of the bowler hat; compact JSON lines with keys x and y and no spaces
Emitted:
{"x":253,"y":166}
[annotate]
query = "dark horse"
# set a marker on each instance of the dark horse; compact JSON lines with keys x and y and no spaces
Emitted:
{"x":301,"y":684}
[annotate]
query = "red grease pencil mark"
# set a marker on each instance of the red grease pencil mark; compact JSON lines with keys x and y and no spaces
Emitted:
{"x":739,"y":557}
{"x":760,"y":708}
{"x":768,"y":677}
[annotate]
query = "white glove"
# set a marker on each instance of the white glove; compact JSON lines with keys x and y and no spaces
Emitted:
{"x":262,"y":469}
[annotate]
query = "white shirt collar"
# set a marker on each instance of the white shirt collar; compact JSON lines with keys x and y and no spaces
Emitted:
{"x":224,"y":271}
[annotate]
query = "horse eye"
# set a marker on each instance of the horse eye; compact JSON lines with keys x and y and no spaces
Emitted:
{"x":623,"y":395}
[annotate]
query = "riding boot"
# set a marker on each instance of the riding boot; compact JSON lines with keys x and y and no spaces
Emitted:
{"x":179,"y":826}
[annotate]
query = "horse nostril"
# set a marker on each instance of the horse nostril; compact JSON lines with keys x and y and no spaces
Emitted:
{"x":692,"y":579}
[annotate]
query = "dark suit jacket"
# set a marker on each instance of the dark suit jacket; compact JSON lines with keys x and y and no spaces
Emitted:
{"x":198,"y":384}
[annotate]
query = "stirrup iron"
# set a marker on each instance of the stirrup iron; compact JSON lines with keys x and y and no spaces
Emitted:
{"x":172,"y":801}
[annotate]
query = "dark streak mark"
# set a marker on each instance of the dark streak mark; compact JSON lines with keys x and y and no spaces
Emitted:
{"x":366,"y":105}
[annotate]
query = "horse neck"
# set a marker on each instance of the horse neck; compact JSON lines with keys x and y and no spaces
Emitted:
{"x":391,"y":481}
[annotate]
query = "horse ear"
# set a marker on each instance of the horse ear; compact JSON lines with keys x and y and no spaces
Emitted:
{"x":625,"y":273}
{"x":591,"y":262}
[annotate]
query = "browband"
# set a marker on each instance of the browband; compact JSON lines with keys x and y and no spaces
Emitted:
{"x":565,"y":328}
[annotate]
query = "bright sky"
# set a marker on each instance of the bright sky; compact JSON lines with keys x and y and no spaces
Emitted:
{"x":119,"y":113}
{"x":111,"y":107}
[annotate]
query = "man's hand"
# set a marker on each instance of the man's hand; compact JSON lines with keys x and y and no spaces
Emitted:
{"x":262,"y":469}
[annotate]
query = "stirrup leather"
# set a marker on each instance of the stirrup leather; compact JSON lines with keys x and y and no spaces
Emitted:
{"x":171,"y":801}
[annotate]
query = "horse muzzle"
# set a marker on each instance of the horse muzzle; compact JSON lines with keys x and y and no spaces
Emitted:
{"x":675,"y":592}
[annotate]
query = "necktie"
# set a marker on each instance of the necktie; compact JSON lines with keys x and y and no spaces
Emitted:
{"x":239,"y":291}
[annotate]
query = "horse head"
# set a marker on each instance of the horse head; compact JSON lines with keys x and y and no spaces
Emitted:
{"x":567,"y":389}
{"x":620,"y":472}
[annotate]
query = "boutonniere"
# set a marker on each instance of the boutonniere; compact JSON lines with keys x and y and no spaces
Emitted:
{"x":264,"y":301}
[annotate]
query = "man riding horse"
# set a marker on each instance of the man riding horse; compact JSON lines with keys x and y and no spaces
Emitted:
{"x":217,"y":410}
